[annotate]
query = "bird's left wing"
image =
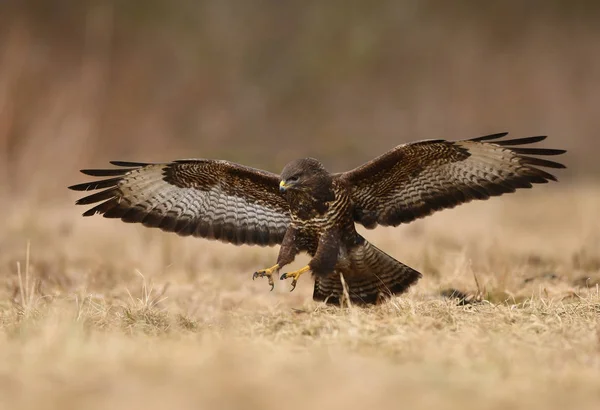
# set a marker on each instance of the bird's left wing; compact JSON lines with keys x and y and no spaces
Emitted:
{"x":414,"y":180}
{"x":212,"y":199}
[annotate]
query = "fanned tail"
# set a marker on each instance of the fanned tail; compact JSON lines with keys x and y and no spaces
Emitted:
{"x":373,"y":276}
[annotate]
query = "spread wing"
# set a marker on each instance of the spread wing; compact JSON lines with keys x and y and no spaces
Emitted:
{"x":414,"y":180}
{"x":207,"y":198}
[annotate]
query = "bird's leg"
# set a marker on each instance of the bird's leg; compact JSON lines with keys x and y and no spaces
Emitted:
{"x":287,"y":252}
{"x":295,"y":275}
{"x":268,"y":273}
{"x":324,"y":260}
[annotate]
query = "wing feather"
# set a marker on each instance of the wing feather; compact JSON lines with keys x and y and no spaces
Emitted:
{"x":213,"y":199}
{"x":105,"y":172}
{"x":414,"y":180}
{"x":490,"y":137}
{"x":519,"y":141}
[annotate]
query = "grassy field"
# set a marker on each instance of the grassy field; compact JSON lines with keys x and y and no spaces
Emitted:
{"x":97,"y":314}
{"x":100,"y":314}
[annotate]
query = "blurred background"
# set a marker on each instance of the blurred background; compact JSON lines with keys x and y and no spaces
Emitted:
{"x":265,"y":81}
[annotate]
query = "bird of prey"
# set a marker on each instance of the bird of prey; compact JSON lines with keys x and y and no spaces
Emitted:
{"x":307,"y":209}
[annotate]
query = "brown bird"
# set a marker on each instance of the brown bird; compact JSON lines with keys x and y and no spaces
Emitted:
{"x":307,"y":209}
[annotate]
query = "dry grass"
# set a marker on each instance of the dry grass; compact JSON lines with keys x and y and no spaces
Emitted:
{"x":99,"y":314}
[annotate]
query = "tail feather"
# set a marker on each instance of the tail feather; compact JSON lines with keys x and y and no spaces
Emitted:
{"x":371,"y":277}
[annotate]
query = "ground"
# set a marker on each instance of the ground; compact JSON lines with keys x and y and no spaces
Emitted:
{"x":95,"y":314}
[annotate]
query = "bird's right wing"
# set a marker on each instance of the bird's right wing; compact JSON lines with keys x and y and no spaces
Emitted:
{"x":212,"y":199}
{"x":414,"y":180}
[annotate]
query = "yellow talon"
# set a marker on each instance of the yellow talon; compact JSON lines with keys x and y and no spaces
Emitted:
{"x":268,"y":273}
{"x":294,"y":275}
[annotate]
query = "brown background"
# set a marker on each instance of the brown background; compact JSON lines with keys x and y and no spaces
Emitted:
{"x":265,"y":81}
{"x":98,"y":314}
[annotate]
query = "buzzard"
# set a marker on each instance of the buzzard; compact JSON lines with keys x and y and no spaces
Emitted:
{"x":307,"y":209}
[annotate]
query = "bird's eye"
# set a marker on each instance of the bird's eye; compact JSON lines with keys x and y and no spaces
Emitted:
{"x":293,"y":179}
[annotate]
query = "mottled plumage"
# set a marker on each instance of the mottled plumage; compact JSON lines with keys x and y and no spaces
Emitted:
{"x":207,"y":198}
{"x":307,"y":209}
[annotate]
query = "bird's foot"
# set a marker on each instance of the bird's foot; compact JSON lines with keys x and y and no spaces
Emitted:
{"x":294,"y":275}
{"x":268,"y":273}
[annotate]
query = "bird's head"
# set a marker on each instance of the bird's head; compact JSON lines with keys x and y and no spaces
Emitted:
{"x":304,"y":175}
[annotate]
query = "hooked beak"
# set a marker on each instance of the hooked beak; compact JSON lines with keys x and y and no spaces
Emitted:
{"x":282,"y":186}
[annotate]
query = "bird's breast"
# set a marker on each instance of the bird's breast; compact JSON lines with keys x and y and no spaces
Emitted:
{"x":326,"y":216}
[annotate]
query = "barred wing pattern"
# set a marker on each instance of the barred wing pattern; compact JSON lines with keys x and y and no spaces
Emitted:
{"x":416,"y":179}
{"x":213,"y":199}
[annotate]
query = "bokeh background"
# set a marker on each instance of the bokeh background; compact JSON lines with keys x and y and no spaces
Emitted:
{"x":262,"y":82}
{"x":98,"y":314}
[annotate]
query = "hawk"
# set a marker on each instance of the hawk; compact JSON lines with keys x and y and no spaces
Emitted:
{"x":307,"y":209}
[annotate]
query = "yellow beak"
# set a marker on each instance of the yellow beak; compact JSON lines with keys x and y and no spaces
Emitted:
{"x":282,"y":186}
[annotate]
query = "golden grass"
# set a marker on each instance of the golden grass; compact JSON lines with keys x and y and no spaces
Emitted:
{"x":99,"y":314}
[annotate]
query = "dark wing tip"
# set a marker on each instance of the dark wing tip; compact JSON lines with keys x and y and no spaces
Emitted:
{"x":109,"y":185}
{"x":490,"y":137}
{"x":516,"y":141}
{"x":97,"y":197}
{"x":539,"y":162}
{"x":513,"y":145}
{"x":105,"y":172}
{"x":90,"y":212}
{"x":129,"y":164}
{"x":78,"y":187}
{"x":522,"y":141}
{"x":539,"y":151}
{"x":90,"y":186}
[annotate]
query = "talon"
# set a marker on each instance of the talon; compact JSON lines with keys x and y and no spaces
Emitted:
{"x":294,"y":276}
{"x":268,"y":273}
